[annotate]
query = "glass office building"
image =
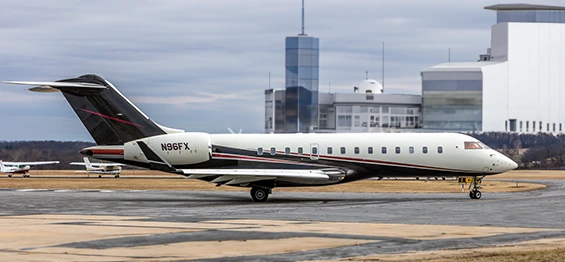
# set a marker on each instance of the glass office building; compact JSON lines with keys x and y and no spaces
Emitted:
{"x":301,"y":89}
{"x":452,"y":104}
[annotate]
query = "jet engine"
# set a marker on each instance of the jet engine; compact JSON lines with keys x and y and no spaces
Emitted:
{"x":178,"y":149}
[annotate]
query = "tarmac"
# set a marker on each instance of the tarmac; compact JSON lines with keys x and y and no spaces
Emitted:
{"x":110,"y":225}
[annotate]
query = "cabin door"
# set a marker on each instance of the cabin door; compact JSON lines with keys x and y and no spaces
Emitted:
{"x":314,"y":151}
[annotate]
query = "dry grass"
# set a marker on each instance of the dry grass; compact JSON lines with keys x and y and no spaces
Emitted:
{"x":154,"y":180}
{"x":533,"y":175}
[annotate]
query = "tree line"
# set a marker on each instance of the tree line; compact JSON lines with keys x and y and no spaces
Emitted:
{"x":25,"y":151}
{"x":530,"y":151}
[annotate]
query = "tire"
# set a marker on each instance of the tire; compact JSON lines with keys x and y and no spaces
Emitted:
{"x":478,"y":194}
{"x":10,"y":175}
{"x":259,"y":194}
{"x":99,"y":176}
{"x":472,"y":194}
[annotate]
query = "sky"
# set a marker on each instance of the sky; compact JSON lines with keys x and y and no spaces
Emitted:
{"x":204,"y":65}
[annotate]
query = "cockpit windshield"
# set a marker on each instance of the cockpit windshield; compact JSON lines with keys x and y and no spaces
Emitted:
{"x":473,"y":145}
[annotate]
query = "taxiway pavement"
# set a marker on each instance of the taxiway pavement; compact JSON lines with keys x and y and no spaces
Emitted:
{"x":205,"y":225}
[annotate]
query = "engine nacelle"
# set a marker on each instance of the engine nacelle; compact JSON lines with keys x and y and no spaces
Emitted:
{"x":177,"y":149}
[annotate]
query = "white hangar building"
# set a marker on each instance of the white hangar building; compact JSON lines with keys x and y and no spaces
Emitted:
{"x":518,"y":86}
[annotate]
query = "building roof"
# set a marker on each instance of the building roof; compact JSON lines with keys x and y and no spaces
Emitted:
{"x":522,"y":7}
{"x":461,"y":66}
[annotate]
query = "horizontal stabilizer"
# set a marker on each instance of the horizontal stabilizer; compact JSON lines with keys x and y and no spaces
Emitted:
{"x":55,"y":86}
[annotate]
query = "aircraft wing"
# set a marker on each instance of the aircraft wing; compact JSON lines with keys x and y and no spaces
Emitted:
{"x":245,"y":176}
{"x":32,"y":163}
{"x":96,"y":164}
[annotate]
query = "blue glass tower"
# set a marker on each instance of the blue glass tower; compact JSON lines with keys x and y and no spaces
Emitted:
{"x":302,"y":75}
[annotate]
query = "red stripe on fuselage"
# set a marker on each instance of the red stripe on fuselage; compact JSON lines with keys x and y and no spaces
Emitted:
{"x":345,"y":159}
{"x":108,"y":151}
{"x":110,"y":117}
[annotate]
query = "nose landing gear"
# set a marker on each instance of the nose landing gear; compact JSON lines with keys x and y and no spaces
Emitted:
{"x":475,"y":193}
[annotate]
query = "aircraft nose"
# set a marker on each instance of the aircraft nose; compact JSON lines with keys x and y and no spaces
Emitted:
{"x":513,"y":165}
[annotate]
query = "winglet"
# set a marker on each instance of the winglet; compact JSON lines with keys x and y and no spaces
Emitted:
{"x":156,"y":162}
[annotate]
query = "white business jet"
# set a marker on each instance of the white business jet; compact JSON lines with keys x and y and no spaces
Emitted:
{"x":124,"y":134}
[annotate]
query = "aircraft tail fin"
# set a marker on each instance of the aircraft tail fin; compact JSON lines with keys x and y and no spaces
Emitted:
{"x":87,"y":163}
{"x":109,"y":117}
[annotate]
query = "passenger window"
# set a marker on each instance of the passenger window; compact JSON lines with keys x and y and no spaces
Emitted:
{"x":383,"y":150}
{"x":425,"y":150}
{"x":273,"y":151}
{"x":287,"y":150}
{"x":330,"y":151}
{"x":300,"y":151}
{"x":370,"y":150}
{"x":314,"y":150}
{"x":260,"y":151}
{"x":411,"y":150}
{"x":473,"y":145}
{"x":440,"y":150}
{"x":356,"y":150}
{"x":342,"y":150}
{"x":397,"y":150}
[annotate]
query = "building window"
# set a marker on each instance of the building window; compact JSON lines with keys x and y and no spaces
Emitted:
{"x":534,"y":126}
{"x":397,"y":150}
{"x":260,"y":151}
{"x":300,"y":150}
{"x":342,"y":150}
{"x":344,"y":121}
{"x":527,"y":126}
{"x":520,"y":126}
{"x":356,"y":121}
{"x":547,"y":127}
{"x":287,"y":150}
{"x":506,"y":125}
{"x":383,"y":150}
{"x":356,"y":149}
{"x":273,"y":151}
{"x":440,"y":150}
{"x":411,"y":150}
{"x":330,"y":151}
{"x":553,"y":127}
{"x":540,"y":126}
{"x":370,"y":149}
{"x":425,"y":150}
{"x":560,"y":127}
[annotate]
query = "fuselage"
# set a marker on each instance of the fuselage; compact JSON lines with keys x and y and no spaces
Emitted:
{"x":359,"y":156}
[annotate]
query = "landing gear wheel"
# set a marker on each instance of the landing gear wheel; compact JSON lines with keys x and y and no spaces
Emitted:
{"x":27,"y":175}
{"x":475,"y":193}
{"x":99,"y":176}
{"x":10,"y":175}
{"x":116,"y":176}
{"x":259,"y":194}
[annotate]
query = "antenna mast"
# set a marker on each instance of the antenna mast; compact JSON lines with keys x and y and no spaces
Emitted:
{"x":302,"y":17}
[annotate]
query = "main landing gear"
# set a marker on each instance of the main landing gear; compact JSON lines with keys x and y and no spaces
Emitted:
{"x":475,"y":193}
{"x":260,"y":194}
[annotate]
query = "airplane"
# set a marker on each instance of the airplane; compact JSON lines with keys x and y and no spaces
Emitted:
{"x":100,"y":168}
{"x":21,"y":167}
{"x":262,"y":162}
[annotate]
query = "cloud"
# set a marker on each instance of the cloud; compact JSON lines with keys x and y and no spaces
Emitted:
{"x":210,"y":60}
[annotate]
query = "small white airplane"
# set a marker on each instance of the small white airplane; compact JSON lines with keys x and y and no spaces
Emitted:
{"x":21,"y":167}
{"x":100,"y":168}
{"x":262,"y":162}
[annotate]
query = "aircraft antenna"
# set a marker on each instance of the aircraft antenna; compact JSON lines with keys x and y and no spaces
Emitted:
{"x":302,"y":17}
